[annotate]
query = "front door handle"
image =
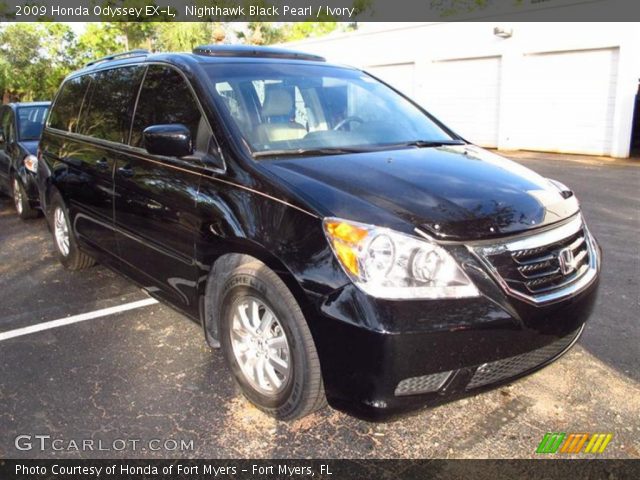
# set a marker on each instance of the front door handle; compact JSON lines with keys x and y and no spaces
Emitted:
{"x":126,"y":171}
{"x":102,"y":164}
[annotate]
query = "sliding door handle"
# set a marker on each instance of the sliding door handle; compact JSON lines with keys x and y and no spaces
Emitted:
{"x":126,"y":171}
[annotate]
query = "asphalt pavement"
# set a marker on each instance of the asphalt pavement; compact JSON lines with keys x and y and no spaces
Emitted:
{"x":143,"y":383}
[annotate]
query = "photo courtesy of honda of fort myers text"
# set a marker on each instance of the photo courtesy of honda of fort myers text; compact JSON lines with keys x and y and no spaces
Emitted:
{"x":341,"y":239}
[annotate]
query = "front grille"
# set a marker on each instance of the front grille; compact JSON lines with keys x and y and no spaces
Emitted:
{"x":539,"y":270}
{"x":424,"y":384}
{"x":493,"y":372}
{"x":540,"y":265}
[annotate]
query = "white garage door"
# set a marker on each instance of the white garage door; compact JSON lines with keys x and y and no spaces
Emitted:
{"x":400,"y":76}
{"x":465,"y":95}
{"x":567,"y":102}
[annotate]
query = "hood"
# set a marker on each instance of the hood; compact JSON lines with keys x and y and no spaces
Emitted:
{"x":30,"y":146}
{"x":451,"y":192}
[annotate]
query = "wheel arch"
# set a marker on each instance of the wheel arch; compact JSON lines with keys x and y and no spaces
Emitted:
{"x":50,"y":191}
{"x":220,"y":266}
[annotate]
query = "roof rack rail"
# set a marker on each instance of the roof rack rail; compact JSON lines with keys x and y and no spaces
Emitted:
{"x":253,"y":51}
{"x":131,"y":53}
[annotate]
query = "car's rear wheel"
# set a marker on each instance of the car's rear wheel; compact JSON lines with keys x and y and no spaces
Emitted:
{"x":21,"y":201}
{"x":71,"y":257}
{"x":268,"y":345}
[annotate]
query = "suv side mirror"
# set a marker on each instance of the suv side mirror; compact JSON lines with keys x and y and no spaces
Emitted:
{"x":172,"y":140}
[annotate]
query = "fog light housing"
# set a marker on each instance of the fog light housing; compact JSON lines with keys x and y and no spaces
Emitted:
{"x":424,"y":384}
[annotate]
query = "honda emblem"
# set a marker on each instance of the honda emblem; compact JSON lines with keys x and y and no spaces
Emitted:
{"x":566,"y":261}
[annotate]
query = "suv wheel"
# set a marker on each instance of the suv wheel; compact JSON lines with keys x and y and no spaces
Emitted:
{"x":21,"y":201}
{"x":64,"y":239}
{"x":268,"y":345}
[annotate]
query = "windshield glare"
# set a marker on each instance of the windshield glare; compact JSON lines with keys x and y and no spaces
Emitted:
{"x":294,"y":107}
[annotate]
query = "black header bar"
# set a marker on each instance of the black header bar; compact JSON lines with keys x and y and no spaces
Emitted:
{"x":317,"y":10}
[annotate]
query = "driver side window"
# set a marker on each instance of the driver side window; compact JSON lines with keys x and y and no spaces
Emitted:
{"x":165,"y":98}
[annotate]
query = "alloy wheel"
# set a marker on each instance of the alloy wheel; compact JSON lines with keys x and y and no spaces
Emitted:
{"x":260,"y":346}
{"x":17,"y":196}
{"x":61,"y":231}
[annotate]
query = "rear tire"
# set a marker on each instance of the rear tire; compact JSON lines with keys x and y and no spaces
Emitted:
{"x":21,"y":200}
{"x":267,"y":343}
{"x":64,"y":238}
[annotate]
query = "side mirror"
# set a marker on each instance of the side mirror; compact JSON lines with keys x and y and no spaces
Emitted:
{"x":173,"y":140}
{"x":2,"y":139}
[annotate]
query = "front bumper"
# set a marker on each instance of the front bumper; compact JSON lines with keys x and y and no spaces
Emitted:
{"x":381,"y":358}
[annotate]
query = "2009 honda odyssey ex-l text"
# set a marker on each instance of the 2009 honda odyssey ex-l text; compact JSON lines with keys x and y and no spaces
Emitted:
{"x":338,"y":242}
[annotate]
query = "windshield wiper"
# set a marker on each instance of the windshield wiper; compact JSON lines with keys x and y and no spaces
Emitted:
{"x":305,"y":152}
{"x":427,"y":143}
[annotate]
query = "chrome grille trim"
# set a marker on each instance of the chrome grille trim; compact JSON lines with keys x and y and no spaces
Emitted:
{"x":540,"y":278}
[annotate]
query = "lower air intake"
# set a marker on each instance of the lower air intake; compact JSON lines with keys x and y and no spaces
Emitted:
{"x":499,"y":370}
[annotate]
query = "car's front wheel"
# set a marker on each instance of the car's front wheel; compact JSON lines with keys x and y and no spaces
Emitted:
{"x":268,"y":345}
{"x":21,"y":201}
{"x":71,"y":257}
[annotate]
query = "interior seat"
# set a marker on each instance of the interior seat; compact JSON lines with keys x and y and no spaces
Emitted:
{"x":278,"y":103}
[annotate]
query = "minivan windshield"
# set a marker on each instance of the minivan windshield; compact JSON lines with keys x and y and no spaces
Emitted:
{"x":30,"y":122}
{"x":290,"y":109}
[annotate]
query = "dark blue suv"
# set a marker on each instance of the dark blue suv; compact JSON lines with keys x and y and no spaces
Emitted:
{"x":20,"y":129}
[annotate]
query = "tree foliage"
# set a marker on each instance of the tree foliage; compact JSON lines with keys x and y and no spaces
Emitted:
{"x":183,"y":36}
{"x":450,"y":8}
{"x":35,"y":57}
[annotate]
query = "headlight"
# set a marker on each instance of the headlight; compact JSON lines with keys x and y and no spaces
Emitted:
{"x":392,"y":265}
{"x":31,"y":163}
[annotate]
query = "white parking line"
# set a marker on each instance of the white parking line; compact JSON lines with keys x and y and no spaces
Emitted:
{"x":19,"y":332}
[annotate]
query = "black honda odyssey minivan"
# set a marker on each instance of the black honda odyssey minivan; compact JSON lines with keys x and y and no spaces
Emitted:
{"x":338,"y":242}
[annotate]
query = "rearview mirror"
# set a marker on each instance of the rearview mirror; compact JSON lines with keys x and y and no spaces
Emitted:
{"x":173,"y":140}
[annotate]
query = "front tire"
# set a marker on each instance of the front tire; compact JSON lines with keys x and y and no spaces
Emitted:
{"x":21,"y":201}
{"x":64,"y":238}
{"x":268,"y":345}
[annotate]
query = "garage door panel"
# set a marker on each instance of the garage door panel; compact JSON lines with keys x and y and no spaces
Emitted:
{"x":567,"y":102}
{"x":465,"y":95}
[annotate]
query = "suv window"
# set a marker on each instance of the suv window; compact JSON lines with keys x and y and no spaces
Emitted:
{"x":30,"y":120}
{"x":110,"y":102}
{"x":165,"y":98}
{"x":65,"y":111}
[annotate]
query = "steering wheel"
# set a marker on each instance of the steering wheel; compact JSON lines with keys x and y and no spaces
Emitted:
{"x":349,"y":119}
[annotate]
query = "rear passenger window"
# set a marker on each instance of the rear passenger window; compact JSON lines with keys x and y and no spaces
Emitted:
{"x":165,"y":98}
{"x":64,"y":115}
{"x":110,"y":102}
